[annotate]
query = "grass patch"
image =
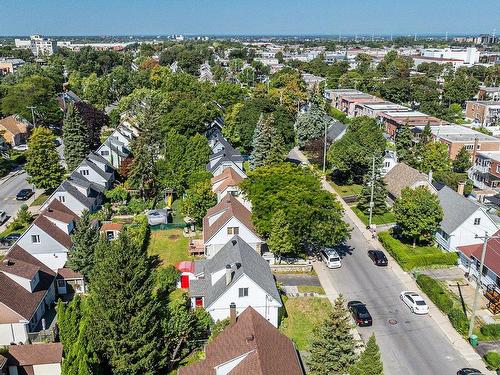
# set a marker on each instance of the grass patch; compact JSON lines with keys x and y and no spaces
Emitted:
{"x":420,"y":256}
{"x":347,"y":190}
{"x":387,"y":218}
{"x":176,"y":212}
{"x":303,"y":314}
{"x":169,"y":245}
{"x":40,"y":199}
{"x":310,"y":289}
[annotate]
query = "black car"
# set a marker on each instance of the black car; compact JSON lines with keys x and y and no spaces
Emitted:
{"x":10,"y":239}
{"x":378,"y":257}
{"x":469,"y":371}
{"x":360,"y":313}
{"x":24,"y":194}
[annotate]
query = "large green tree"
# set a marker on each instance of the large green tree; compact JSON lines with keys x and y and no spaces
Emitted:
{"x":85,"y":238}
{"x":435,"y":157}
{"x":379,"y":191}
{"x":462,"y":161}
{"x":268,"y":144}
{"x":281,"y":241}
{"x":333,"y":347}
{"x":197,"y":200}
{"x":404,"y":145}
{"x":369,"y":363}
{"x":418,"y":214}
{"x":311,"y":125}
{"x":42,"y":160}
{"x":75,"y":138}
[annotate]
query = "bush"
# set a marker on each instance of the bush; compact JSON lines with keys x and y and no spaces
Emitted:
{"x":493,"y":360}
{"x":459,"y":321}
{"x":491,"y":330}
{"x":435,"y":292}
{"x":407,"y":259}
{"x":118,"y":194}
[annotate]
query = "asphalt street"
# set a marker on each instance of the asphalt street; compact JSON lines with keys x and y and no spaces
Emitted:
{"x":8,"y":191}
{"x":409,"y":343}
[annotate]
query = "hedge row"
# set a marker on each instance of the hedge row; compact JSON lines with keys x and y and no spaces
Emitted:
{"x":493,"y":360}
{"x":491,"y":331}
{"x":403,"y":254}
{"x":437,"y":294}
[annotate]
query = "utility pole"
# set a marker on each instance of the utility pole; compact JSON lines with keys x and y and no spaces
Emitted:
{"x":371,"y":194}
{"x":32,"y":114}
{"x":324,"y":151}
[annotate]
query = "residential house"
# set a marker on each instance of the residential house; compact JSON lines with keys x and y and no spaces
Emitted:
{"x":373,"y":110}
{"x":485,"y":171}
{"x":312,"y":82}
{"x":226,"y":183}
{"x":485,"y":93}
{"x":65,"y":98}
{"x":335,"y":131}
{"x":224,"y":156}
{"x":115,"y":148}
{"x":14,"y":129}
{"x":8,"y":65}
{"x":463,"y":220}
{"x":484,"y":113}
{"x":390,"y":161}
{"x":393,"y":120}
{"x":48,"y":237}
{"x":26,"y":292}
{"x":70,"y":282}
{"x":249,"y":345}
{"x":403,"y":176}
{"x":227,"y":218}
{"x":111,"y":230}
{"x":35,"y":359}
{"x":236,"y":274}
{"x":97,"y":169}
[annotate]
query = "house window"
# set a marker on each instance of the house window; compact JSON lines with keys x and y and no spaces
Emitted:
{"x":198,"y":301}
{"x":477,"y":221}
{"x":61,"y":283}
{"x":62,"y":198}
{"x":498,"y":168}
{"x":243,"y":292}
{"x":104,"y":152}
{"x":478,"y":147}
{"x":35,"y":238}
{"x":485,"y":270}
{"x":233,"y":230}
{"x":85,"y":172}
{"x":497,"y":281}
{"x":469,"y":147}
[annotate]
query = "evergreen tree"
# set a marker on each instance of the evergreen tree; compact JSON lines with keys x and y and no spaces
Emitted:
{"x":85,"y":238}
{"x":379,"y":192}
{"x":268,"y":144}
{"x":369,"y":362}
{"x":462,"y":161}
{"x":404,"y":145}
{"x":282,"y":241}
{"x":125,"y":316}
{"x":311,"y":125}
{"x":332,"y":347}
{"x":426,"y":135}
{"x":75,"y":138}
{"x":42,"y":160}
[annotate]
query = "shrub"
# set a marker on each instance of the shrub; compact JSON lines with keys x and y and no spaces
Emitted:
{"x":118,"y":194}
{"x":459,"y":321}
{"x":435,"y":292}
{"x":493,"y":360}
{"x":491,"y":330}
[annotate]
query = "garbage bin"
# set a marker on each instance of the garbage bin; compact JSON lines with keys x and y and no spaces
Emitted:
{"x":473,"y":340}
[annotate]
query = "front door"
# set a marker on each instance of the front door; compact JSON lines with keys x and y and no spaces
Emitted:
{"x":184,"y":281}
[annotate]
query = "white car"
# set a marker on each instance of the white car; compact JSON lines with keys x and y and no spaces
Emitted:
{"x":331,"y":258}
{"x":415,"y":302}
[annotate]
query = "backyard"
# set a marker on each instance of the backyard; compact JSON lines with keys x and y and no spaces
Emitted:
{"x":169,"y":245}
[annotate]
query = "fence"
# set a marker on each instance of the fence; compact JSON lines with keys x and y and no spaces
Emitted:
{"x":168,"y":226}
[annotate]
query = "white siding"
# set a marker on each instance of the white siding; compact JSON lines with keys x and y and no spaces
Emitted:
{"x":25,"y":283}
{"x":69,"y":201}
{"x":48,"y":369}
{"x":13,"y":332}
{"x":47,"y":244}
{"x":92,"y":176}
{"x":465,"y":233}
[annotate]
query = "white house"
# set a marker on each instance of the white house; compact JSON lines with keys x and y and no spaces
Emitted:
{"x":224,"y":156}
{"x":26,"y":293}
{"x":35,"y":359}
{"x":462,"y":221}
{"x":390,"y":160}
{"x":48,"y":237}
{"x":226,"y":183}
{"x":96,"y":169}
{"x":236,"y":274}
{"x":227,"y":218}
{"x":77,"y":195}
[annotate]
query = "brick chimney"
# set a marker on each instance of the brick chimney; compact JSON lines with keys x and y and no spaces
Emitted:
{"x":232,"y":313}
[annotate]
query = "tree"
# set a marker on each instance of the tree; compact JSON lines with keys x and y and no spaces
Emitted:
{"x":333,"y":348}
{"x":268,"y":144}
{"x":379,"y":192}
{"x":125,"y":316}
{"x":462,"y":161}
{"x":311,"y":125}
{"x":404,"y":145}
{"x":75,"y":135}
{"x":42,"y":160}
{"x":418,"y":214}
{"x":281,"y":240}
{"x":198,"y":199}
{"x":435,"y":157}
{"x":369,"y":363}
{"x":94,"y":121}
{"x":85,"y":238}
{"x":426,"y":135}
{"x":22,"y":220}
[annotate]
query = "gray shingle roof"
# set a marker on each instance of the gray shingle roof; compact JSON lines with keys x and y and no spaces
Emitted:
{"x":456,"y":209}
{"x":70,"y":189}
{"x":94,"y":156}
{"x":236,"y":251}
{"x":335,"y":130}
{"x":403,"y":176}
{"x":105,"y":175}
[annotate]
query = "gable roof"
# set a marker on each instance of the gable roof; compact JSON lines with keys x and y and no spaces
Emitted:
{"x":53,"y":231}
{"x":492,"y":257}
{"x":402,"y":176}
{"x":335,"y":130}
{"x":245,"y":261}
{"x":229,"y":177}
{"x":456,"y":209}
{"x":268,"y":351}
{"x":14,"y":124}
{"x":14,"y":295}
{"x":58,"y":211}
{"x":105,"y":175}
{"x":35,"y":354}
{"x":94,"y":156}
{"x":229,"y":207}
{"x":74,"y":192}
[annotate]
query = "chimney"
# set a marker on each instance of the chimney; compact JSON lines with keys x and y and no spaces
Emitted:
{"x":460,"y":188}
{"x":229,"y":274}
{"x":232,"y":313}
{"x":430,"y":177}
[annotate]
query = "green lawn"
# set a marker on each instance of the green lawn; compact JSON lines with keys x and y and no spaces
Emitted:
{"x":40,"y":199}
{"x":386,"y":218}
{"x":310,"y":289}
{"x":169,"y":245}
{"x":347,"y":190}
{"x":177,"y":216}
{"x":302,"y":315}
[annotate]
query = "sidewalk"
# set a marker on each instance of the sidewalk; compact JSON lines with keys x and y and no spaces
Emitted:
{"x":460,"y":344}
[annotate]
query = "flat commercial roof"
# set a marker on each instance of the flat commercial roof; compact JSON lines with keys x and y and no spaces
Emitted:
{"x":458,"y":133}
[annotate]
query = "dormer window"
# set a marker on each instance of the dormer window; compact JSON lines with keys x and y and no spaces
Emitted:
{"x":104,"y":152}
{"x":35,"y":238}
{"x":62,"y":198}
{"x":477,"y":221}
{"x":84,"y":172}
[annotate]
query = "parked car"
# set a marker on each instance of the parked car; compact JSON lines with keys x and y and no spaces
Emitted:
{"x":10,"y":239}
{"x":24,"y":194}
{"x":3,"y":217}
{"x":469,"y":371}
{"x":360,"y":313}
{"x":331,"y":258}
{"x":378,"y":257}
{"x":415,"y":302}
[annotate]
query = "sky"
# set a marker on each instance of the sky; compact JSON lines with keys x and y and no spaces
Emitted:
{"x":248,"y":17}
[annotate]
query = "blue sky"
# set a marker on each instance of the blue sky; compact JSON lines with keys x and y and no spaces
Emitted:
{"x":332,"y":17}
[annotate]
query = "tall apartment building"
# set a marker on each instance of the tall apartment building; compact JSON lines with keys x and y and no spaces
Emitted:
{"x":39,"y":45}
